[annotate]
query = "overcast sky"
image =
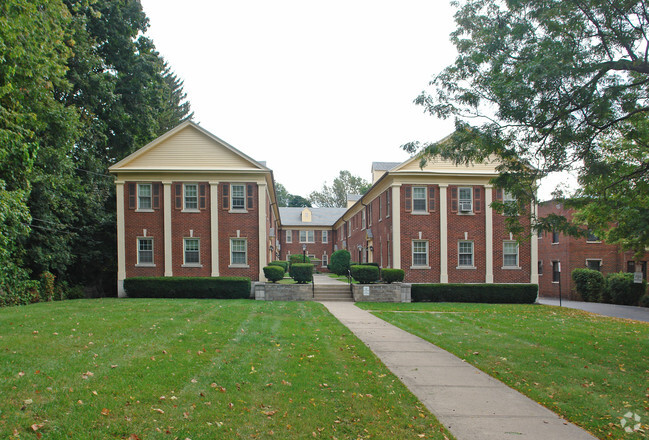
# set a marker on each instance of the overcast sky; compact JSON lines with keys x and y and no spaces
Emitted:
{"x":310,"y":87}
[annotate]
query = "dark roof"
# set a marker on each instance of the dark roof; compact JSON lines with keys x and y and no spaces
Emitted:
{"x":384,"y":166}
{"x":319,"y":216}
{"x":353,"y":197}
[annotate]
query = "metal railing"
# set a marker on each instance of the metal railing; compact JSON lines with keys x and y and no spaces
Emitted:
{"x":349,"y":280}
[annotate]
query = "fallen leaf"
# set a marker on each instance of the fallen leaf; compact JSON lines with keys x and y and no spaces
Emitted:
{"x":158,"y":410}
{"x":28,"y":401}
{"x":21,"y":374}
{"x":36,"y":427}
{"x":105,"y":411}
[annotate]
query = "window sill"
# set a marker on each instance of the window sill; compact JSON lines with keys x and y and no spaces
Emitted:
{"x":555,"y":282}
{"x":238,"y":211}
{"x":466,"y":267}
{"x":555,"y":243}
{"x":145,"y":265}
{"x":239,"y":266}
{"x":192,"y":265}
{"x":466,"y":213}
{"x":420,"y":213}
{"x":144,"y":210}
{"x":419,"y":267}
{"x":191,"y":210}
{"x":510,"y":268}
{"x":592,"y":242}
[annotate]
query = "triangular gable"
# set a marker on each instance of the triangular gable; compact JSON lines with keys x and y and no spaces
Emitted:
{"x":187,"y":147}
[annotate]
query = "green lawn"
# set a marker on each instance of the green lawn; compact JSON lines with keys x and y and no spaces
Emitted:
{"x":197,"y":369}
{"x":590,"y":369}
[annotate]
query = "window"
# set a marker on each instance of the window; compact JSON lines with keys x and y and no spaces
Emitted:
{"x":144,"y":196}
{"x":465,"y":254}
{"x":594,"y":265}
{"x":192,"y":251}
{"x":466,"y":200}
{"x":363,"y":219}
{"x":369,"y":214}
{"x":191,"y":197}
{"x":387,"y":203}
{"x":238,"y":197}
{"x":556,"y":271}
{"x":306,"y":237}
{"x":510,"y":254}
{"x":508,"y":197}
{"x":289,"y":236}
{"x":419,"y":199}
{"x":540,"y":266}
{"x":555,"y":237}
{"x":592,"y":238}
{"x":239,"y":252}
{"x":325,"y":236}
{"x":145,"y":251}
{"x":380,"y":208}
{"x":325,"y":260}
{"x":420,"y":253}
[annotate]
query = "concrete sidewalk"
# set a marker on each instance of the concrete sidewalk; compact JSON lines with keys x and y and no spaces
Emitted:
{"x":612,"y":310}
{"x":470,"y":403}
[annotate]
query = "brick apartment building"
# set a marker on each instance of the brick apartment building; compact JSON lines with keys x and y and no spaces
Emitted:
{"x":189,"y":204}
{"x":559,"y":255}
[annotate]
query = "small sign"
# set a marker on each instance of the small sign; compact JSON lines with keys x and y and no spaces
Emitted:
{"x":366,"y":290}
{"x":637,"y":277}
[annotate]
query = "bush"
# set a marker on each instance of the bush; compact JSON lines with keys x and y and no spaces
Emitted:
{"x":365,"y":274}
{"x":622,"y":290}
{"x":589,"y":284}
{"x":644,"y":301}
{"x":274,"y":273}
{"x":75,"y":292}
{"x":282,"y":264}
{"x":301,"y":272}
{"x":298,"y":258}
{"x":47,"y":286}
{"x":392,"y":275}
{"x":188,"y":287}
{"x":477,"y":293}
{"x":339,"y":262}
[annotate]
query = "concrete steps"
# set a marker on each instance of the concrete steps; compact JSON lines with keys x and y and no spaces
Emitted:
{"x":332,"y":292}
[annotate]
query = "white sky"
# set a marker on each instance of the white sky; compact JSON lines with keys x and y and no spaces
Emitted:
{"x":310,"y":87}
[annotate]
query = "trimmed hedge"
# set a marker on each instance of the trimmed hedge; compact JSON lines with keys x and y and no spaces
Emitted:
{"x":274,"y":273}
{"x":339,"y":262}
{"x":589,"y":284}
{"x":188,"y":287}
{"x":283,"y":264}
{"x":476,"y":293}
{"x":644,"y":301}
{"x":392,"y":275}
{"x":298,"y":258}
{"x":622,"y":290}
{"x":365,"y":274}
{"x":301,"y":272}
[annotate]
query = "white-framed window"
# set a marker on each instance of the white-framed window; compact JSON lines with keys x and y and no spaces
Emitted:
{"x":592,"y":238}
{"x":325,"y":236}
{"x":556,"y":271}
{"x":594,"y":264}
{"x":555,"y":237}
{"x":508,"y":197}
{"x":465,"y":199}
{"x":289,"y":236}
{"x":238,"y":193}
{"x":307,"y":237}
{"x":239,"y":252}
{"x":190,"y":196}
{"x":387,"y":203}
{"x":144,"y":196}
{"x":419,"y":199}
{"x":419,"y":253}
{"x":325,"y":260}
{"x":465,"y":254}
{"x":192,"y":251}
{"x":510,"y":254}
{"x":145,"y":251}
{"x":363,"y":219}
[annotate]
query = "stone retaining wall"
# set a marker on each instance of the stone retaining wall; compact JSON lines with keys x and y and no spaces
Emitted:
{"x":283,"y":292}
{"x":395,"y":292}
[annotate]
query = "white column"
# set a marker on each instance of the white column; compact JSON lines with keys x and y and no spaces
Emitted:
{"x":489,"y":235}
{"x":214,"y":226}
{"x":166,"y":191}
{"x":121,"y":238}
{"x":443,"y":235}
{"x":263,"y":238}
{"x":534,"y":279}
{"x":396,"y":226}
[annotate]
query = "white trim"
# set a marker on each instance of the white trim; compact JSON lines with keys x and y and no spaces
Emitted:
{"x":443,"y":234}
{"x":137,"y":255}
{"x":121,"y":244}
{"x":137,"y":197}
{"x":232,"y":208}
{"x":166,"y":222}
{"x":518,"y":255}
{"x":464,"y":266}
{"x":184,"y":202}
{"x":396,"y":226}
{"x":239,"y":265}
{"x":489,"y":235}
{"x":412,"y":255}
{"x":263,"y":239}
{"x":534,"y":277}
{"x":323,"y":233}
{"x":192,"y":264}
{"x":214,"y":227}
{"x":412,"y":200}
{"x":289,"y":234}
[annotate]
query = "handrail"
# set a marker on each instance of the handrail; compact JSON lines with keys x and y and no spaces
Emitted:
{"x":349,"y":279}
{"x":313,"y":286}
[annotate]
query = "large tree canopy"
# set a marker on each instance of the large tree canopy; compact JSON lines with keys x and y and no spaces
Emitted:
{"x":554,"y":85}
{"x":335,"y":196}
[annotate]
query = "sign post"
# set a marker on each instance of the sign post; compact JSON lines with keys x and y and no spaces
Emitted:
{"x":559,"y":267}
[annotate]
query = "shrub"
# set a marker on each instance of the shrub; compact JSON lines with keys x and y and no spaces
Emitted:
{"x":47,"y":286}
{"x":392,"y":275}
{"x":589,"y":284}
{"x":298,"y":258}
{"x":365,"y":274}
{"x":274,"y":273}
{"x":75,"y":292}
{"x":623,"y":290}
{"x":339,"y":262}
{"x":282,"y":264}
{"x":478,"y":293}
{"x":188,"y":287}
{"x":302,"y":272}
{"x":644,"y":301}
{"x":19,"y":293}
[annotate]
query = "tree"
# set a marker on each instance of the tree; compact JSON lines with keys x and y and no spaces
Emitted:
{"x":551,"y":86}
{"x":298,"y":202}
{"x":335,"y":196}
{"x":284,"y":198}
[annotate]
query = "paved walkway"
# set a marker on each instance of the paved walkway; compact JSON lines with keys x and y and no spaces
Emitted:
{"x":470,"y":403}
{"x":612,"y":310}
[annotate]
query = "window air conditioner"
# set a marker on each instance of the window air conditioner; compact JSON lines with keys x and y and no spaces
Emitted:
{"x":465,"y":206}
